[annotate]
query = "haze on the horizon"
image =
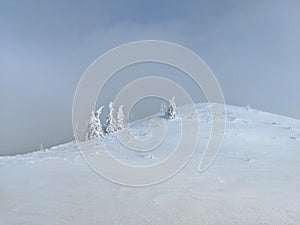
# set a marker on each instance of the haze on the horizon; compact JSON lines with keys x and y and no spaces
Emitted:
{"x":252,"y":47}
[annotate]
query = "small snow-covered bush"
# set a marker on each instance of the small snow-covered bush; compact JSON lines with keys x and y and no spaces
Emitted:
{"x":80,"y":132}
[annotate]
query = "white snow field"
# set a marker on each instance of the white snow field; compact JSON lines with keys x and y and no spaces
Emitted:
{"x":254,"y":180}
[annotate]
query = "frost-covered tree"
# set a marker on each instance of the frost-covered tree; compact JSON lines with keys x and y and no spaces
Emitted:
{"x":171,"y":112}
{"x":99,"y":126}
{"x":95,"y":129}
{"x":110,"y":121}
{"x":120,"y":118}
{"x":92,"y":131}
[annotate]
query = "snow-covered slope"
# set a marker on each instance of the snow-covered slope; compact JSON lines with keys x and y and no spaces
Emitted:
{"x":255,"y":180}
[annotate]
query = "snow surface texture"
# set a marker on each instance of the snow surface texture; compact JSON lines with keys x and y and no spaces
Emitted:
{"x":255,"y":180}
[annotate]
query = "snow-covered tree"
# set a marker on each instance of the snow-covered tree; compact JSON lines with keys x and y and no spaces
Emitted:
{"x":99,"y":126}
{"x":92,"y":131}
{"x":171,"y":112}
{"x":120,"y":118}
{"x":95,"y":128}
{"x":110,"y":121}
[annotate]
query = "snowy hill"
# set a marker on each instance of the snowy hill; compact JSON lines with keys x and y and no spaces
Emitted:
{"x":254,"y":180}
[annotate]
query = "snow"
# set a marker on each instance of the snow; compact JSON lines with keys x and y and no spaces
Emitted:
{"x":254,"y":180}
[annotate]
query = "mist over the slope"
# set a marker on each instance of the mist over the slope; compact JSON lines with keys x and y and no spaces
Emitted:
{"x":252,"y":47}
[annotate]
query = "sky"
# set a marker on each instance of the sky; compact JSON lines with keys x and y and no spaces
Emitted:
{"x":252,"y":47}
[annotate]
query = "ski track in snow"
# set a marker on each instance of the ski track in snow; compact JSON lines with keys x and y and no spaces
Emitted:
{"x":254,"y":180}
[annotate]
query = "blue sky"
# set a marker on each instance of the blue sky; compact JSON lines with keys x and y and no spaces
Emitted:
{"x":253,"y":48}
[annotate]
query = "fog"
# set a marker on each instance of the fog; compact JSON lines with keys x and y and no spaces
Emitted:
{"x":251,"y":46}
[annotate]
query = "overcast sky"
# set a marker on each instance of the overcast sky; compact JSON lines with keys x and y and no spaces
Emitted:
{"x":252,"y":47}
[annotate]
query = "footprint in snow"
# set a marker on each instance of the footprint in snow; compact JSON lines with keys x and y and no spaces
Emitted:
{"x":293,"y":138}
{"x":149,"y":156}
{"x":250,"y":160}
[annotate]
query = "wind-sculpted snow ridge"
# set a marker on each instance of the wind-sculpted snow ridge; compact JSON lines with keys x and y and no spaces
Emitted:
{"x":254,"y":180}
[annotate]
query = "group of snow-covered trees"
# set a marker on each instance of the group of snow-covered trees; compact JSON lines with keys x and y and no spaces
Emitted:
{"x":97,"y":130}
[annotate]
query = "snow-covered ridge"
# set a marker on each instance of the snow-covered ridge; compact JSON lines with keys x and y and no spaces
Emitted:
{"x":237,"y":118}
{"x":254,"y":180}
